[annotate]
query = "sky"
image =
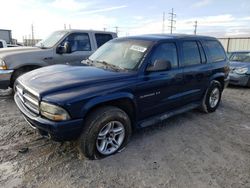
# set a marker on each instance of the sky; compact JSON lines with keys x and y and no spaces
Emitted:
{"x":219,"y":18}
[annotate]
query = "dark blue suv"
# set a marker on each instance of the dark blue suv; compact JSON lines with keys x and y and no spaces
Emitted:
{"x":127,"y":83}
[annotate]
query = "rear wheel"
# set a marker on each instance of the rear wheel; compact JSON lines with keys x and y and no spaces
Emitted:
{"x":107,"y":130}
{"x":212,"y":97}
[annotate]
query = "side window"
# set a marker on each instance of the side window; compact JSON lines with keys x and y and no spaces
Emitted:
{"x":215,"y":50}
{"x":102,"y":38}
{"x":78,"y":42}
{"x":166,"y":51}
{"x":1,"y":45}
{"x":191,"y":54}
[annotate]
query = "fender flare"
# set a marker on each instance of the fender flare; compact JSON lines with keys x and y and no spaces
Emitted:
{"x":102,"y":99}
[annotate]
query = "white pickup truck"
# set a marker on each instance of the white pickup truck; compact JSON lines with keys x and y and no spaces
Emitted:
{"x":61,"y":47}
{"x":3,"y":44}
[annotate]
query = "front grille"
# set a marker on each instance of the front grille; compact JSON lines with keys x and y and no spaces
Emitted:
{"x":29,"y":100}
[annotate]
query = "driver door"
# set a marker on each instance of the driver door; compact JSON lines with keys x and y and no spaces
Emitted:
{"x":80,"y":45}
{"x":159,"y":91}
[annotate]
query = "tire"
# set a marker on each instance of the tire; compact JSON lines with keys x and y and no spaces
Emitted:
{"x":97,"y":132}
{"x":248,"y":83}
{"x":18,"y":73}
{"x":212,"y":97}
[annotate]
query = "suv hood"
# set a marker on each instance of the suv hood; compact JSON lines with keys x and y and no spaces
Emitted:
{"x":62,"y":77}
{"x":236,"y":64}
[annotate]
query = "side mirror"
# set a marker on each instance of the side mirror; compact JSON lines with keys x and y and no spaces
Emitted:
{"x":159,"y":65}
{"x":65,"y":49}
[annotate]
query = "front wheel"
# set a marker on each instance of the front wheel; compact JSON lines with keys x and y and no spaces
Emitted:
{"x":106,"y":131}
{"x":212,"y":97}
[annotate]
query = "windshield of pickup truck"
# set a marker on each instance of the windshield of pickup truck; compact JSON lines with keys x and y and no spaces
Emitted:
{"x":122,"y":54}
{"x":51,"y":40}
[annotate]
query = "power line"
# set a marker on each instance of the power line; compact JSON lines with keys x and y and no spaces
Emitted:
{"x":195,"y":27}
{"x":172,"y":20}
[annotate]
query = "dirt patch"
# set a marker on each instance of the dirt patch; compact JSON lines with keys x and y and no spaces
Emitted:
{"x":189,"y":150}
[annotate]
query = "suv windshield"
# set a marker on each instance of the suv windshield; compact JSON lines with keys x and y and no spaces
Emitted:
{"x":241,"y":57}
{"x":122,"y":54}
{"x":51,"y":40}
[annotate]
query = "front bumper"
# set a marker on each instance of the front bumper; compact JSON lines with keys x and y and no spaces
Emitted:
{"x":239,"y":79}
{"x":5,"y":76}
{"x":59,"y":131}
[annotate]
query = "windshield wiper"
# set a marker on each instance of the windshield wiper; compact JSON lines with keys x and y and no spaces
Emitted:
{"x":112,"y":66}
{"x":87,"y":62}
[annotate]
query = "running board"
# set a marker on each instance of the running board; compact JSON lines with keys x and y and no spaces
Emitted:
{"x":159,"y":118}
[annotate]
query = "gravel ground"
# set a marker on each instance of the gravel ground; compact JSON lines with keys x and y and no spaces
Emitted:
{"x":189,"y":150}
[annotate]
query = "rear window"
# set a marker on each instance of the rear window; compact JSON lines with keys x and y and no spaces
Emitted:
{"x":102,"y":38}
{"x":215,"y":51}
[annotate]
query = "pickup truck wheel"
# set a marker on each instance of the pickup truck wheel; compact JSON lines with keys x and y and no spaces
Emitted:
{"x":20,"y":72}
{"x":107,"y":130}
{"x":212,"y":97}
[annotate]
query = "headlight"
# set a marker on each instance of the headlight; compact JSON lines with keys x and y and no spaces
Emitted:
{"x":2,"y":65}
{"x":53,"y":112}
{"x":242,"y":70}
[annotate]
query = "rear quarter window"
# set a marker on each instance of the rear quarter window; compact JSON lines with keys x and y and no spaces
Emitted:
{"x":1,"y":45}
{"x":215,"y":50}
{"x":102,"y":38}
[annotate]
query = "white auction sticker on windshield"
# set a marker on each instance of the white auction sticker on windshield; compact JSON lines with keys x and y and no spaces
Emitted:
{"x":138,"y":48}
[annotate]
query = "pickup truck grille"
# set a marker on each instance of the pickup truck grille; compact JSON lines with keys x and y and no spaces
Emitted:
{"x":29,"y":100}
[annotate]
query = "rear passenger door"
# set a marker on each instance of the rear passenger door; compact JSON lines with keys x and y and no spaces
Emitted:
{"x":195,"y":70}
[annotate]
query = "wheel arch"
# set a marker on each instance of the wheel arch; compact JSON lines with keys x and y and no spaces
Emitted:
{"x":20,"y":68}
{"x":124,"y":101}
{"x":220,"y":77}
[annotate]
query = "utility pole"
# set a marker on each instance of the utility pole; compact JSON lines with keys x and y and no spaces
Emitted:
{"x":104,"y":29}
{"x":172,"y":20}
{"x":25,"y":40}
{"x":32,"y":34}
{"x":163,"y":22}
{"x":64,"y":26}
{"x":195,"y":27}
{"x":116,"y":29}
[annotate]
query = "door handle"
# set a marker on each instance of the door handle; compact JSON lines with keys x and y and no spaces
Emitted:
{"x":48,"y":58}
